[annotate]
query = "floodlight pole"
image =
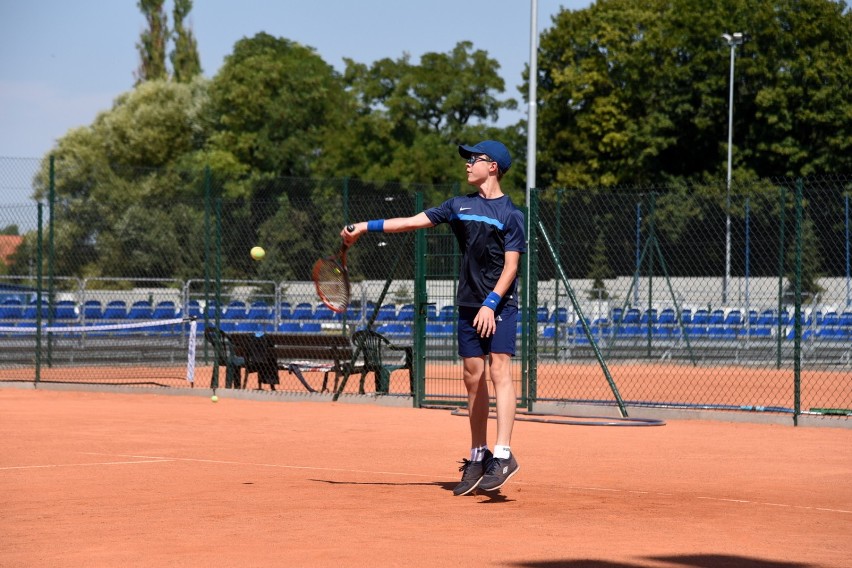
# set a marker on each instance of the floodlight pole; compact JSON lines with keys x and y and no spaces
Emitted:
{"x":531,"y":131}
{"x":733,"y":41}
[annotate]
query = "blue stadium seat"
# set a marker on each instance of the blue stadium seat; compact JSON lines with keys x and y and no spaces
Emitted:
{"x":65,"y":311}
{"x":632,"y":316}
{"x":30,"y":311}
{"x":285,"y":310}
{"x":830,"y":319}
{"x":767,"y":318}
{"x":559,"y":315}
{"x":447,"y":314}
{"x":193,"y":309}
{"x":542,"y":314}
{"x":387,"y":313}
{"x":259,"y":310}
{"x":165,"y":310}
{"x":289,"y":327}
{"x":11,"y":309}
{"x":667,"y":317}
{"x":406,"y":313}
{"x":353,"y":313}
{"x":395,"y":330}
{"x":140,"y":310}
{"x":438,"y":329}
{"x":721,"y":332}
{"x":616,"y":315}
{"x":115,"y":310}
{"x":303,"y":311}
{"x":649,"y":314}
{"x":93,"y":310}
{"x":311,"y":327}
{"x":324,"y":313}
{"x":701,"y":318}
{"x":235,"y":310}
{"x":717,"y":317}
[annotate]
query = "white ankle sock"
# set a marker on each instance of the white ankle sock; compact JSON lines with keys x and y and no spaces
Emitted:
{"x":478,"y":454}
{"x":502,"y":452}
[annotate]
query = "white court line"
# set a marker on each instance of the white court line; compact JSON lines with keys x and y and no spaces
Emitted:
{"x":570,"y":487}
{"x":157,"y":460}
{"x":275,"y":465}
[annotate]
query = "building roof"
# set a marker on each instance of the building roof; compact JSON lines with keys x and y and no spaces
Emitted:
{"x":8,"y":245}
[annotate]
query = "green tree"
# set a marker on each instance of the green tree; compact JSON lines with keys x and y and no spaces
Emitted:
{"x":126,"y":163}
{"x":186,"y":63}
{"x":409,"y":118}
{"x":273,"y":100}
{"x":599,"y":269}
{"x":152,"y":43}
{"x":638,"y":91}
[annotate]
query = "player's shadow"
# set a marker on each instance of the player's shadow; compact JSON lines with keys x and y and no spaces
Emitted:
{"x":682,"y":561}
{"x":445,"y":485}
{"x":448,"y":485}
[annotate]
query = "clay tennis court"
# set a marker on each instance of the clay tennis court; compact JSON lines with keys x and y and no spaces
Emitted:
{"x":104,"y":479}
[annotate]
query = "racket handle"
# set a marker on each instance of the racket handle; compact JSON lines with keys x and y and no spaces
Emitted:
{"x":350,"y":228}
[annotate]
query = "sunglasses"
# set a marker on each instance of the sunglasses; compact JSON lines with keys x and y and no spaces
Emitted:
{"x":473,"y":159}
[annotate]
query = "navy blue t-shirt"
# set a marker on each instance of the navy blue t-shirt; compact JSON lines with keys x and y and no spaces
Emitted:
{"x":485,"y":230}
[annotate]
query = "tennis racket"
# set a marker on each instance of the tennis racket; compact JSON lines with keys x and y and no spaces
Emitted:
{"x":332,"y":279}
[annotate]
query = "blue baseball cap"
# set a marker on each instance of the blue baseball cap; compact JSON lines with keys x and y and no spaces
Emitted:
{"x":491,"y":148}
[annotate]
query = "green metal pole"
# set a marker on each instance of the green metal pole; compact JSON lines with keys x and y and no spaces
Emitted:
{"x":51,"y":299}
{"x":529,"y":329}
{"x":652,"y":236}
{"x":582,"y":317}
{"x":208,"y":247}
{"x":780,"y":330}
{"x":421,"y":309}
{"x":797,"y":312}
{"x":39,"y":245}
{"x":218,"y":290}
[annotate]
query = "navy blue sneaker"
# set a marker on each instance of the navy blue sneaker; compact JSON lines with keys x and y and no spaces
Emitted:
{"x":472,"y":473}
{"x":498,"y":472}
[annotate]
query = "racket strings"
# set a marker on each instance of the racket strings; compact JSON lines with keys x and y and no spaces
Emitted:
{"x":331,"y":284}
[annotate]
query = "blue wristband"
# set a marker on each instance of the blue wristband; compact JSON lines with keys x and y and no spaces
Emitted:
{"x":376,"y":226}
{"x":492,"y":300}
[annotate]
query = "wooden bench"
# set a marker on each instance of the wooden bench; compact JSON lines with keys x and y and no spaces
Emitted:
{"x":297,"y":353}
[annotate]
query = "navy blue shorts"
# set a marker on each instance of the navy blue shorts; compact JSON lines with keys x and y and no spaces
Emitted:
{"x":503,"y":340}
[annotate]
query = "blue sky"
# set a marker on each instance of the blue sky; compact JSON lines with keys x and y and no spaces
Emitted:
{"x":62,"y":62}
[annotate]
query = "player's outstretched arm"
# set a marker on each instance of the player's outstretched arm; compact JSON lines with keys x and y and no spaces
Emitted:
{"x":395,"y":225}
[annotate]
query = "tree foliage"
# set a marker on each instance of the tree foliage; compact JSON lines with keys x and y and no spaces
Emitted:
{"x":186,"y":63}
{"x":637,"y":91}
{"x":152,"y":43}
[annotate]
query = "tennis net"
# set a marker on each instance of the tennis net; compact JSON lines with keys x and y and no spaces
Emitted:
{"x":148,"y":352}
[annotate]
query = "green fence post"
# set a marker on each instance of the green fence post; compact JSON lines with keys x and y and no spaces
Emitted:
{"x":780,"y":330}
{"x":39,"y":245}
{"x":653,"y":238}
{"x":51,"y":299}
{"x":797,"y":312}
{"x":214,"y":382}
{"x":421,"y":302}
{"x":529,"y":327}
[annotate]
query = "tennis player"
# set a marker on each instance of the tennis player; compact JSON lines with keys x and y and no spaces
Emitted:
{"x":490,"y":232}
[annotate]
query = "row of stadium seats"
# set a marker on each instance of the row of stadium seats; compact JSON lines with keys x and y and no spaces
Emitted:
{"x":13,"y":309}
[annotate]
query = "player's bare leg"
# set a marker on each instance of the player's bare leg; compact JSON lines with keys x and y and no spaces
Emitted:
{"x":475,"y":379}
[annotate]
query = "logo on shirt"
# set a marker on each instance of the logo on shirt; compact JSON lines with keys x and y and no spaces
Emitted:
{"x":464,"y":208}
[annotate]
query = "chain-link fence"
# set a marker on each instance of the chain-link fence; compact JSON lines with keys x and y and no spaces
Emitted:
{"x":687,"y":303}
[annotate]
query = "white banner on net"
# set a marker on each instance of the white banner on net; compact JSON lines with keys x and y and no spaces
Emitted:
{"x":28,"y":329}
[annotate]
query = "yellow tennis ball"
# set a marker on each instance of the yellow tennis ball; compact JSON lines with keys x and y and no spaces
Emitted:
{"x":214,"y":398}
{"x":258,"y":253}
